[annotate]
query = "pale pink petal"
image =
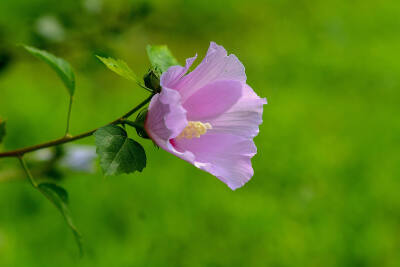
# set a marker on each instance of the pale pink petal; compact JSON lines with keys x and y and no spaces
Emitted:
{"x":244,"y":118}
{"x":166,"y":118}
{"x":167,"y":146}
{"x":223,"y":155}
{"x":213,"y":100}
{"x":217,"y":65}
{"x":234,"y":172}
{"x":174,"y":73}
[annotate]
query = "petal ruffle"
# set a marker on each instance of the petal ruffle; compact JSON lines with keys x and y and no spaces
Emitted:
{"x":174,"y":73}
{"x":225,"y":156}
{"x":217,"y":65}
{"x":244,"y":118}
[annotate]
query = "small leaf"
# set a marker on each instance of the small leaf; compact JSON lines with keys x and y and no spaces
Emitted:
{"x":160,"y":57}
{"x":118,"y":153}
{"x":62,"y":67}
{"x":119,"y":67}
{"x":59,"y":197}
{"x":2,"y":130}
{"x":56,"y":192}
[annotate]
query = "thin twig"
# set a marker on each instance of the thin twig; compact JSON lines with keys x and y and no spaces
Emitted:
{"x":66,"y":139}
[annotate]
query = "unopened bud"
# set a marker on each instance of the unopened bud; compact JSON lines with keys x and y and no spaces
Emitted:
{"x":152,"y":81}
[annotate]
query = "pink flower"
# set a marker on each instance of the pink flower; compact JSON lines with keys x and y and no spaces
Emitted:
{"x":208,"y":117}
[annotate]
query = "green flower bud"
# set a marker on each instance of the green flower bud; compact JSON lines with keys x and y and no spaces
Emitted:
{"x":152,"y":80}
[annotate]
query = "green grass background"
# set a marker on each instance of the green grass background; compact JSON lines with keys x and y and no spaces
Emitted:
{"x":326,"y":185}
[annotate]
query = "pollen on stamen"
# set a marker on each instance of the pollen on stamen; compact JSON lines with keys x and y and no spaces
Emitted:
{"x":194,"y":129}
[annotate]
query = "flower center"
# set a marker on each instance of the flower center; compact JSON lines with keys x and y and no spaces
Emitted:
{"x":194,"y":129}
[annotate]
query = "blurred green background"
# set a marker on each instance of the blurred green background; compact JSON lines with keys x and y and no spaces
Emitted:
{"x":326,"y":185}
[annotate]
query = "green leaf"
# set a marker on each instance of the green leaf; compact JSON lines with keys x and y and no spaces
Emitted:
{"x":118,"y":153}
{"x":59,"y":197}
{"x":160,"y":57}
{"x":62,"y":67}
{"x":119,"y":67}
{"x":2,"y":130}
{"x":55,"y":192}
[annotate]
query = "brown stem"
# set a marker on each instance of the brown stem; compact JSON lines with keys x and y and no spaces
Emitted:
{"x":66,"y":139}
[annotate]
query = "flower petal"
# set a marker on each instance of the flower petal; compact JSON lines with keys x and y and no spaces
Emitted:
{"x":244,"y":118}
{"x":174,"y":73}
{"x":217,"y":65}
{"x":167,"y":146}
{"x":212,"y":100}
{"x":225,"y":156}
{"x":166,"y":118}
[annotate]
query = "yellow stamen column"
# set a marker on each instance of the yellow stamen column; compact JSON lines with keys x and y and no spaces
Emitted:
{"x":195,"y":129}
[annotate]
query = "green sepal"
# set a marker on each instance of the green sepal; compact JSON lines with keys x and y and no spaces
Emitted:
{"x":141,"y":120}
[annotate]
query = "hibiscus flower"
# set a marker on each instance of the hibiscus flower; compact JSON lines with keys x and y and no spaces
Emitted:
{"x":209,"y":116}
